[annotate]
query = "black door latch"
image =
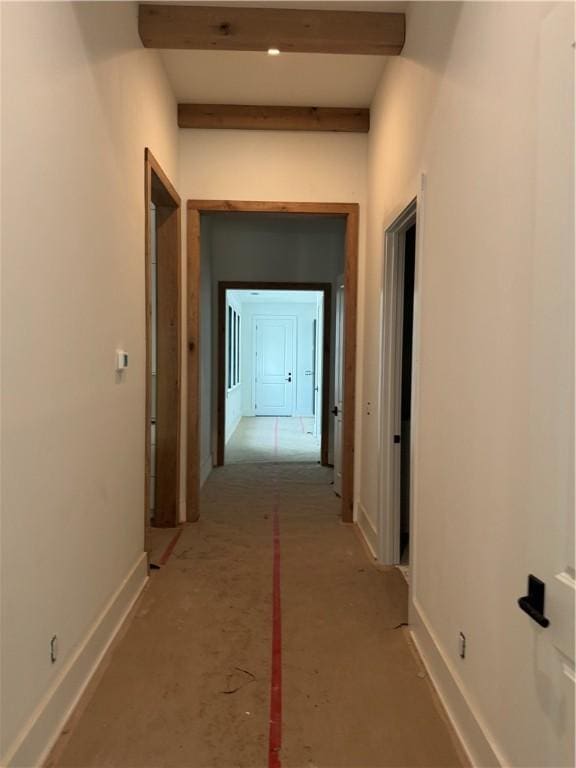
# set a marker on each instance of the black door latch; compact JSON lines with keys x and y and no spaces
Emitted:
{"x":533,"y":602}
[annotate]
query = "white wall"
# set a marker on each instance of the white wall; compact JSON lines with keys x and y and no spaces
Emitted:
{"x":481,"y":101}
{"x":234,"y":400}
{"x":81,"y":101}
{"x":304,"y":313}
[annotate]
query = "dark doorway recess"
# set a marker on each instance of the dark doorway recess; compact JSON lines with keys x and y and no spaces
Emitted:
{"x":406,"y":388}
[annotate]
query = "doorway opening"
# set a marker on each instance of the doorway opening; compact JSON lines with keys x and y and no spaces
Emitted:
{"x":302,"y":262}
{"x":274,"y":357}
{"x":397,"y":389}
{"x":163,"y":340}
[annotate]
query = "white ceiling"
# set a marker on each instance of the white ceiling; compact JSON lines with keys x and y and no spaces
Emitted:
{"x":291,"y":79}
{"x":267,"y":297}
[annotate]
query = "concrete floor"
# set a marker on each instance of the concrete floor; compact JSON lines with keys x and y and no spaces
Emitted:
{"x":258,"y":439}
{"x":188,"y":683}
{"x":159,"y":541}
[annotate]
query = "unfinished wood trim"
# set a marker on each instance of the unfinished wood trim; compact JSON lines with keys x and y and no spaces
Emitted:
{"x":262,"y":285}
{"x":259,"y":206}
{"x":221,"y":377}
{"x":261,"y":118}
{"x":326,"y":352}
{"x":351,"y":212}
{"x":163,"y":192}
{"x":238,"y":285}
{"x":168,"y":374}
{"x":148,"y":357}
{"x":193,"y":387}
{"x":214,"y":28}
{"x":350,"y":330}
{"x":159,"y":190}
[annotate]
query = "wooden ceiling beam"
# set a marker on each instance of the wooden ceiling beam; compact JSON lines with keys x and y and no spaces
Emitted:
{"x":255,"y":118}
{"x":216,"y":28}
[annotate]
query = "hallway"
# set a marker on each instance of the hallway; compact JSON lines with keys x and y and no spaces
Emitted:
{"x":188,"y":683}
{"x":268,"y":438}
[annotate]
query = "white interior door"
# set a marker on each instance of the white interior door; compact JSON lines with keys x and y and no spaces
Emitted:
{"x":275,"y":371}
{"x":339,"y":387}
{"x":548,"y":530}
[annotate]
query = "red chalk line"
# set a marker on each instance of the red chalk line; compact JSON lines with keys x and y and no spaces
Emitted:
{"x":275,"y":738}
{"x":275,"y":734}
{"x":170,"y":548}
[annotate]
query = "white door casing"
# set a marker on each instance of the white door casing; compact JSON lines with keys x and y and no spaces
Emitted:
{"x":274,"y":365}
{"x":391,"y":386}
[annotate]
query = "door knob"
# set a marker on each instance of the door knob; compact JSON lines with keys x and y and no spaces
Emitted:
{"x":289,"y":379}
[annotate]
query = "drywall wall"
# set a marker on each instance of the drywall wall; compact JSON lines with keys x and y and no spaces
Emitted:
{"x":234,"y":398}
{"x":273,"y":165}
{"x":280,"y":166}
{"x":253,"y":247}
{"x":486,"y":113}
{"x":81,"y":99}
{"x":304,"y":313}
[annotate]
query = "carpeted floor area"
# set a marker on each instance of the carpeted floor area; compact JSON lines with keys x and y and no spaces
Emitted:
{"x":254,"y":440}
{"x":188,"y":683}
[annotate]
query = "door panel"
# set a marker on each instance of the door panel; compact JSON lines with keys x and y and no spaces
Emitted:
{"x":275,"y":372}
{"x":548,"y":519}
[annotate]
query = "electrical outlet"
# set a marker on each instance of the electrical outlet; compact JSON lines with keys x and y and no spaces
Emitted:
{"x":53,"y":649}
{"x":462,"y":645}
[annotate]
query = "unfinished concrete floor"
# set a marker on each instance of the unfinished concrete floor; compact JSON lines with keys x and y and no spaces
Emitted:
{"x":256,"y":440}
{"x":188,"y":684}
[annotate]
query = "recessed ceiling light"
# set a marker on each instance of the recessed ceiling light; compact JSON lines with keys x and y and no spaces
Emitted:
{"x":273,"y":51}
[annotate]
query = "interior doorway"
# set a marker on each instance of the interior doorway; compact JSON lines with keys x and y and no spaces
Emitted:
{"x":397,"y":388}
{"x":273,"y":350}
{"x":163,"y":339}
{"x":200,"y":211}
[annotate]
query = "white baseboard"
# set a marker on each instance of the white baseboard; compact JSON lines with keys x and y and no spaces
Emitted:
{"x":205,"y":470}
{"x":369,"y":532}
{"x":39,"y":734}
{"x":472,"y":732}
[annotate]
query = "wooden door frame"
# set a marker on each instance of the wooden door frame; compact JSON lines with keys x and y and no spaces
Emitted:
{"x":350,"y":212}
{"x":252,"y":285}
{"x":159,"y":190}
